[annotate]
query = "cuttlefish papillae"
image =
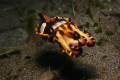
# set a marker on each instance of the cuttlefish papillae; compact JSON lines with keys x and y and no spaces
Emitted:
{"x":67,"y":34}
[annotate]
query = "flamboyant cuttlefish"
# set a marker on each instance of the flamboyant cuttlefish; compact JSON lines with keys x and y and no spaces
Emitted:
{"x":67,"y":34}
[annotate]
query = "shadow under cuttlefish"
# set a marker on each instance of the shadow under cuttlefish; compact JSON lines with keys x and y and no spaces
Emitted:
{"x":67,"y":69}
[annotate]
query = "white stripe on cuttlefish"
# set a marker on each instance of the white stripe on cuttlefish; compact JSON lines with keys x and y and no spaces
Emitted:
{"x":42,"y":27}
{"x":57,"y":24}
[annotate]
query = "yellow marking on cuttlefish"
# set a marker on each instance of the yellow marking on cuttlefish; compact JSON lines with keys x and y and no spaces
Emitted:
{"x":73,"y":56}
{"x":55,"y":39}
{"x":70,"y":54}
{"x":37,"y":25}
{"x":63,"y":51}
{"x":67,"y":19}
{"x":36,"y":29}
{"x":37,"y":32}
{"x":76,"y":26}
{"x":60,"y":28}
{"x":65,"y":25}
{"x":41,"y":34}
{"x":74,"y":47}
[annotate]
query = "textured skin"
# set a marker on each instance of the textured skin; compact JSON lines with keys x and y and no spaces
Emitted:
{"x":63,"y":31}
